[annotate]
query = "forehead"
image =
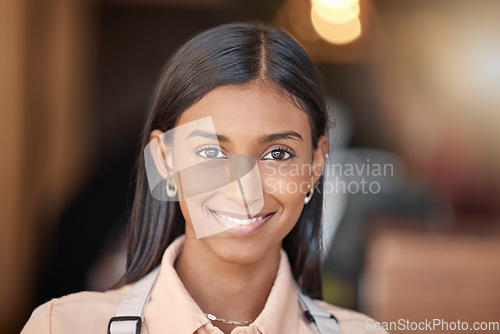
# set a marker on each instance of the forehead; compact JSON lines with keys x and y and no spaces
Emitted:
{"x":248,"y":111}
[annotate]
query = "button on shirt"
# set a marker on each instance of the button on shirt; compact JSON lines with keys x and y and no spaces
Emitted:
{"x":172,"y":310}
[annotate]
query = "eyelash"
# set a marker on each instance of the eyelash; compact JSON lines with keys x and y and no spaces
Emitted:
{"x":208,"y":147}
{"x":283,"y":149}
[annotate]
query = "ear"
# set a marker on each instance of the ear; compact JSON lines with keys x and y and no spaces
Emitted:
{"x":319,"y":158}
{"x":162,"y":153}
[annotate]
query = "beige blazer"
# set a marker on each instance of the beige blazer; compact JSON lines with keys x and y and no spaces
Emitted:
{"x":172,"y":310}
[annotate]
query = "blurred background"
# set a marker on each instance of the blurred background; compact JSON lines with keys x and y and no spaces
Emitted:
{"x":413,"y":84}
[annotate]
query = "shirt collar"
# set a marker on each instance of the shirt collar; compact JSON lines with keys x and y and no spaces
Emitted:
{"x":173,"y":310}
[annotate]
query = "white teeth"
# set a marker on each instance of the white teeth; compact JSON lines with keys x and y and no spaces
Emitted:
{"x":237,"y":220}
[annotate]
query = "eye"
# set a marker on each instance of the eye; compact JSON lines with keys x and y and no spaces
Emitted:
{"x":211,"y":153}
{"x":279,"y":154}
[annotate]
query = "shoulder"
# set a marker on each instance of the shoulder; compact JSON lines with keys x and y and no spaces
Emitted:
{"x":351,"y":321}
{"x":83,"y":312}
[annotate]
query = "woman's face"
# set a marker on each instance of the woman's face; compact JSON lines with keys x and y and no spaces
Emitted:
{"x":257,"y":211}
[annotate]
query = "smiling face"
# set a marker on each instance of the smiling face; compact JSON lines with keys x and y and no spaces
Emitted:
{"x":252,"y":123}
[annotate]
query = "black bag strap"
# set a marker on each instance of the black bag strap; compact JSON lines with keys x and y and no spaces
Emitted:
{"x":324,"y":322}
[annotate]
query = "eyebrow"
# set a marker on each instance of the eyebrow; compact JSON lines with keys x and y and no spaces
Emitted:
{"x":209,"y":134}
{"x":281,"y":135}
{"x":262,"y":139}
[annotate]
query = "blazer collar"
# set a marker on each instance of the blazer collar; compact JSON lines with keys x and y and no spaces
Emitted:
{"x":173,"y":310}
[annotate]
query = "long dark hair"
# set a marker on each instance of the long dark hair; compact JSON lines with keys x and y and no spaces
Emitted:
{"x":232,"y":54}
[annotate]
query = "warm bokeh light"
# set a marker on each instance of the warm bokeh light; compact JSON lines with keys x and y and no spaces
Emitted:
{"x":336,"y":33}
{"x":337,"y":12}
{"x":334,"y":3}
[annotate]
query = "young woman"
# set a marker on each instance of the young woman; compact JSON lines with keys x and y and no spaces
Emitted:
{"x":226,"y":238}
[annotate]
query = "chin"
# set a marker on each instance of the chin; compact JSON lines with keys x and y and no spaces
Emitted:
{"x":235,"y":249}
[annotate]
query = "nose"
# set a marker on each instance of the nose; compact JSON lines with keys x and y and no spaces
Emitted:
{"x":245,"y":183}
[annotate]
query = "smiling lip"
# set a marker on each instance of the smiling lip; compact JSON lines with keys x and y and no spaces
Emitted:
{"x":237,"y":224}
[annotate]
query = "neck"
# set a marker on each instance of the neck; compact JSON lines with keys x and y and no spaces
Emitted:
{"x":231,"y":291}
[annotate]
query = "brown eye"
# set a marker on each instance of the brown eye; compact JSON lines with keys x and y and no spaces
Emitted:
{"x":278,"y":155}
{"x":211,"y":153}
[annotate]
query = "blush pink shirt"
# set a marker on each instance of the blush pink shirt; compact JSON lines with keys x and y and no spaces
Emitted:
{"x":172,"y":310}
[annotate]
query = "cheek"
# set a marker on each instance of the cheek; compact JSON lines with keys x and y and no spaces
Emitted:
{"x":286,"y":182}
{"x":288,"y":187}
{"x":287,"y":190}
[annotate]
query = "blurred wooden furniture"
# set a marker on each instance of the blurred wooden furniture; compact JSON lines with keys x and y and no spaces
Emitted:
{"x":415,"y":275}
